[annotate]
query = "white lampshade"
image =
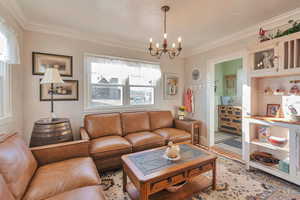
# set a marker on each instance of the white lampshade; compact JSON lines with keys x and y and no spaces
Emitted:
{"x":51,"y":76}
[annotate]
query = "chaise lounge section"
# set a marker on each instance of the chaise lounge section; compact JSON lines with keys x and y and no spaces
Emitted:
{"x":112,"y":135}
{"x":53,"y":172}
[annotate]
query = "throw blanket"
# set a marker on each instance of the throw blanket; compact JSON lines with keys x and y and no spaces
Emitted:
{"x":189,"y":100}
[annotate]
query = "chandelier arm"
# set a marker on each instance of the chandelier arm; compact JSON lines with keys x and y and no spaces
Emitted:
{"x":160,"y":53}
{"x":178,"y":52}
{"x":171,"y":55}
{"x":153,"y":54}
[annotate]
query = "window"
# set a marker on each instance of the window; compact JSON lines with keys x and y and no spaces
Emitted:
{"x":5,"y":107}
{"x":117,"y":82}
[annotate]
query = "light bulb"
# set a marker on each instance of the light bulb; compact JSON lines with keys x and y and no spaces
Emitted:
{"x":150,"y":40}
{"x":165,"y":35}
{"x":173,"y":45}
{"x":157,"y":45}
{"x":179,"y":39}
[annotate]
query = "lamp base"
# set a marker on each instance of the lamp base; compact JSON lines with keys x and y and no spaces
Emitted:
{"x":51,"y":118}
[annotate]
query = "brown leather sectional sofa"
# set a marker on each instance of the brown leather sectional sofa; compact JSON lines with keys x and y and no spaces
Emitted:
{"x":54,"y":172}
{"x":115,"y":134}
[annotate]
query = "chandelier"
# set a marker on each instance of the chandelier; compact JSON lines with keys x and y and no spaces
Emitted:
{"x":159,"y":51}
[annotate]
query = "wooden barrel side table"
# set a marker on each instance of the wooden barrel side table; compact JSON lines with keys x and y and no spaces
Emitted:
{"x":51,"y":132}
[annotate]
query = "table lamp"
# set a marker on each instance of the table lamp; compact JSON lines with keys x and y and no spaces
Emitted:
{"x":52,"y":77}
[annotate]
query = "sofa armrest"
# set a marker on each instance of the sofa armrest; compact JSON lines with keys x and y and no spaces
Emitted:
{"x":62,"y":151}
{"x":188,"y":126}
{"x":83,"y":134}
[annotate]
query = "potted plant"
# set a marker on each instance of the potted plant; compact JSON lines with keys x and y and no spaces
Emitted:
{"x":181,"y":112}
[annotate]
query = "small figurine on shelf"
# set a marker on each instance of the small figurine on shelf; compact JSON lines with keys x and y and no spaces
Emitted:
{"x":268,"y":91}
{"x":262,"y":35}
{"x":279,"y":91}
{"x":293,"y":113}
{"x":181,"y":112}
{"x":294,"y":90}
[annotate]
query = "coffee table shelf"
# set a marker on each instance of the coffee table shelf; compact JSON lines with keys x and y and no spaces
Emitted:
{"x":196,"y":185}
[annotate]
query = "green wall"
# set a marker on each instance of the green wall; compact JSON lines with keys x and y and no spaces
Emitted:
{"x":223,"y":69}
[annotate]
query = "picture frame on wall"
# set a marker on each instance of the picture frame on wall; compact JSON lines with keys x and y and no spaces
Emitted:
{"x":171,"y":85}
{"x":67,"y":91}
{"x":273,"y":110}
{"x":41,"y":61}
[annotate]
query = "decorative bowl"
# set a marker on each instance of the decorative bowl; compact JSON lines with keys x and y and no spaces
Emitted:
{"x":172,"y":159}
{"x":277,"y":140}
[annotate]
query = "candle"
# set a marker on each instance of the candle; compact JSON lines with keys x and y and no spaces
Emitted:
{"x":150,"y":42}
{"x":179,"y":42}
{"x":165,"y":35}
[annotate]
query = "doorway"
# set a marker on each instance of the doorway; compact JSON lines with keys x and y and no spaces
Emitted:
{"x":225,"y":97}
{"x":228,"y":105}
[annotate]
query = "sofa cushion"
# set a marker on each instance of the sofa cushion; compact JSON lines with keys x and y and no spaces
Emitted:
{"x":17,"y":164}
{"x":174,"y":135}
{"x":160,"y":119}
{"x":135,"y":122}
{"x":98,"y":125}
{"x":5,"y":193}
{"x":55,"y":178}
{"x":145,"y":140}
{"x":90,"y":193}
{"x":108,"y":146}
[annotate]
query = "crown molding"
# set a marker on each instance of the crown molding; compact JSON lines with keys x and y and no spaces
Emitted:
{"x":75,"y":34}
{"x":246,"y":33}
{"x":15,"y":11}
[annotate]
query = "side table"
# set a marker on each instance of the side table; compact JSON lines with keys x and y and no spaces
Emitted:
{"x":196,"y":129}
{"x":51,"y":132}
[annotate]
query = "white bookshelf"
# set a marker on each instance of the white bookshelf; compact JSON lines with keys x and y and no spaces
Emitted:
{"x":286,"y":69}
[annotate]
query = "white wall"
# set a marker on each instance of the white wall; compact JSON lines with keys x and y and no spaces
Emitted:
{"x":16,"y":123}
{"x":201,"y":61}
{"x":40,"y":42}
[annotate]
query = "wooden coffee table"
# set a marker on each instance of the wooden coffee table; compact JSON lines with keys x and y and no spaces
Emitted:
{"x":150,"y":174}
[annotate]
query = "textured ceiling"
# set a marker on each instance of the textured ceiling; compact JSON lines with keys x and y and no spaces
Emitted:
{"x":197,"y":21}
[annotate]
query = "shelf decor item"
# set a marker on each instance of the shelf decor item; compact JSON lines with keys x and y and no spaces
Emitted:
{"x":51,"y":77}
{"x":263,"y":133}
{"x":273,"y":110}
{"x":293,"y":26}
{"x":284,"y":165}
{"x":268,"y":91}
{"x":294,"y":90}
{"x":264,"y":59}
{"x":264,"y":158}
{"x":279,"y":92}
{"x":277,"y":141}
{"x":42,"y":61}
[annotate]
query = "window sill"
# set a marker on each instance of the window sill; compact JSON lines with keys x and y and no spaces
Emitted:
{"x":6,"y":120}
{"x":119,"y":108}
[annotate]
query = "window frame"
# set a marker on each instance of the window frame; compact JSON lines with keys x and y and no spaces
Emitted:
{"x":7,"y":96}
{"x":88,"y":107}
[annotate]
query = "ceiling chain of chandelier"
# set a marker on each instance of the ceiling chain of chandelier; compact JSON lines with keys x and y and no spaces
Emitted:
{"x":159,"y":51}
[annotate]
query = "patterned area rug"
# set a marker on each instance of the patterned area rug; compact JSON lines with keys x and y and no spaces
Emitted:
{"x":240,"y":185}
